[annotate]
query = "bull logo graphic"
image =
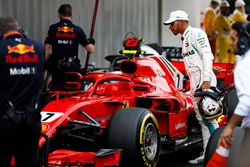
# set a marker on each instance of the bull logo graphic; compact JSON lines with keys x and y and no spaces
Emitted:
{"x":21,"y":49}
{"x":65,"y":29}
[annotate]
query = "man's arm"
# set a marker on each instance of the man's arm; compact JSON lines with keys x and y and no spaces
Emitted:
{"x":206,"y":84}
{"x":88,"y":44}
{"x":207,"y":58}
{"x":226,"y":137}
{"x":47,"y":49}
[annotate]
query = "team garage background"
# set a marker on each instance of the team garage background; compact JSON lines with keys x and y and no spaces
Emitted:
{"x":114,"y":19}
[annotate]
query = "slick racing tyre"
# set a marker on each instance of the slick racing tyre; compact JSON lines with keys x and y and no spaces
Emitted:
{"x":136,"y":132}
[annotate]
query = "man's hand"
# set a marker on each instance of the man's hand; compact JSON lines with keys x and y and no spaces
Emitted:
{"x":226,"y":137}
{"x":205,"y":85}
{"x":217,"y":70}
{"x":92,"y":41}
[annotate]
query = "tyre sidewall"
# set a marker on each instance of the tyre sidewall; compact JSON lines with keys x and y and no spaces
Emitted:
{"x":146,"y":119}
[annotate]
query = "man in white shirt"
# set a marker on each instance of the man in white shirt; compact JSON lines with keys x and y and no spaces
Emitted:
{"x":240,"y":41}
{"x":198,"y":60}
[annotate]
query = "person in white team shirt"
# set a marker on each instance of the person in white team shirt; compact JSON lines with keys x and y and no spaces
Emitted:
{"x":198,"y":60}
{"x":241,"y":43}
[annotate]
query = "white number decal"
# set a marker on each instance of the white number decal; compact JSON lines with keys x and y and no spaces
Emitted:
{"x":50,"y":116}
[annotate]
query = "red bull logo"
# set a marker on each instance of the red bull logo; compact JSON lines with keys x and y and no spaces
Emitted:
{"x":65,"y":29}
{"x":21,"y":49}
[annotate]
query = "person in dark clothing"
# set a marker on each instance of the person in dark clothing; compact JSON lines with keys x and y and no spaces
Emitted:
{"x":22,"y":69}
{"x":65,"y":37}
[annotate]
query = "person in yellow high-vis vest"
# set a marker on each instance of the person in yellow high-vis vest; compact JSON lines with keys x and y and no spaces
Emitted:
{"x":223,"y":23}
{"x":239,"y":14}
{"x":209,"y":23}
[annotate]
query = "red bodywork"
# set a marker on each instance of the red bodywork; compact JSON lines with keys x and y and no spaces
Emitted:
{"x":149,"y":79}
{"x":226,"y":72}
{"x":67,"y":158}
{"x":149,"y":82}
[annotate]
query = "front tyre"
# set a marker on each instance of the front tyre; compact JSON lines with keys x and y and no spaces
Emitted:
{"x":136,"y":132}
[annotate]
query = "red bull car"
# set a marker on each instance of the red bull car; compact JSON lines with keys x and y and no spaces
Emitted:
{"x":126,"y":117}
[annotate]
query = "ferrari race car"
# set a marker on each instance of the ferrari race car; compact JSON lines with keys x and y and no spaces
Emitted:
{"x":126,"y":117}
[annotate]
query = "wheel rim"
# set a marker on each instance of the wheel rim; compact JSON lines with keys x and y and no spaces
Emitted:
{"x":150,"y":143}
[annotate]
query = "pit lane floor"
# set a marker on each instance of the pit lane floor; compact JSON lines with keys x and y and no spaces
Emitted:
{"x":180,"y":158}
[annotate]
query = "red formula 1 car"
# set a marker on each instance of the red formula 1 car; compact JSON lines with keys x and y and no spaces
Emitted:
{"x":124,"y":117}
